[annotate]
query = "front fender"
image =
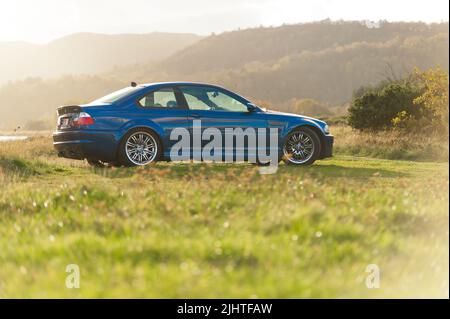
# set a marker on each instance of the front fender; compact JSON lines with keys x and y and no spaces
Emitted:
{"x":300,"y":122}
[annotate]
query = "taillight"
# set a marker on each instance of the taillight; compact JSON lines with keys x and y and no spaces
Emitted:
{"x":83,"y":118}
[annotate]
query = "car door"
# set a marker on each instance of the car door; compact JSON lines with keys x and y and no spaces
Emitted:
{"x":216,"y":109}
{"x":165,"y":107}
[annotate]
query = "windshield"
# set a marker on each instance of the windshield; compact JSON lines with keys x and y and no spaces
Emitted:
{"x":115,"y":96}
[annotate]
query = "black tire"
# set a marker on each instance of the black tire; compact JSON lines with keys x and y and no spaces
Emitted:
{"x":259,"y":163}
{"x":125,"y":160}
{"x":310,"y":159}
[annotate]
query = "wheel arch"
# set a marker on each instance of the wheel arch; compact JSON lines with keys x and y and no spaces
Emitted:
{"x":316,"y":130}
{"x":137,"y":128}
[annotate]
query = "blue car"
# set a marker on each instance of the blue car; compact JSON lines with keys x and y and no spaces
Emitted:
{"x":135,"y":126}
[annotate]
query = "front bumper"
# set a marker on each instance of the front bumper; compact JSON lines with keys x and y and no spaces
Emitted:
{"x":327,"y":148}
{"x":85,"y":144}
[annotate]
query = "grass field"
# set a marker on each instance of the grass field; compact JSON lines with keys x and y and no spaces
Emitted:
{"x":222,"y":230}
{"x":391,"y":145}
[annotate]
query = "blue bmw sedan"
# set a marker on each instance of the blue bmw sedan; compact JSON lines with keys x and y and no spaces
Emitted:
{"x":136,"y":126}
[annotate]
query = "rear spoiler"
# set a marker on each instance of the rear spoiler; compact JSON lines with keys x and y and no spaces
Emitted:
{"x":66,"y":109}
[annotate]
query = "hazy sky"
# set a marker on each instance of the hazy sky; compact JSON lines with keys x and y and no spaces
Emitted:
{"x":44,"y":20}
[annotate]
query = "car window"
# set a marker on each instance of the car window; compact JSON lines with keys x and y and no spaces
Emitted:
{"x":117,"y":95}
{"x":160,"y":98}
{"x":194,"y":103}
{"x":211,"y":98}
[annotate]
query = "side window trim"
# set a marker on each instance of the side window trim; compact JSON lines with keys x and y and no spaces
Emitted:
{"x":196,"y":109}
{"x":184,"y":97}
{"x":181,"y":102}
{"x":229,"y":94}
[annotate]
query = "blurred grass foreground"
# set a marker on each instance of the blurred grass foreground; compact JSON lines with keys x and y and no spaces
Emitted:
{"x":222,"y":230}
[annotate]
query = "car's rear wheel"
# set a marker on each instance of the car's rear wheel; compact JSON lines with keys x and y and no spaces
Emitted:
{"x":301,"y":147}
{"x":139,"y":147}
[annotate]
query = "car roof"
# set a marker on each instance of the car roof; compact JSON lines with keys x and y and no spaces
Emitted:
{"x":177,"y":83}
{"x":181,"y":83}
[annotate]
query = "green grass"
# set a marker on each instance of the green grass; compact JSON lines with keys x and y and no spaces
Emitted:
{"x":222,"y":230}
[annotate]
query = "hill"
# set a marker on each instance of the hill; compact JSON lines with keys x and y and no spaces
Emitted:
{"x":238,"y":48}
{"x":324,"y":61}
{"x":87,"y":53}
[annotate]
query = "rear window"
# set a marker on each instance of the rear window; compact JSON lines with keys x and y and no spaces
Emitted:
{"x":117,"y":95}
{"x":161,"y":98}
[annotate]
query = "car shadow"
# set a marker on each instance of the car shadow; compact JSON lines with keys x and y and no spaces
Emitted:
{"x":320,"y":169}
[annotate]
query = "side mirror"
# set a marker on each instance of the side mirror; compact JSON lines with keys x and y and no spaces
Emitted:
{"x":251,"y":107}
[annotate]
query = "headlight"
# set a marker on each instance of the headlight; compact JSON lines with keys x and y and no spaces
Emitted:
{"x":326,"y":129}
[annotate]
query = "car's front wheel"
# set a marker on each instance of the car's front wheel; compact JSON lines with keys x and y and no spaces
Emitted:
{"x":139,"y":147}
{"x":301,"y":147}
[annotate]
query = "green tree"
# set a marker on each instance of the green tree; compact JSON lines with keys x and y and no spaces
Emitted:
{"x":376,"y":108}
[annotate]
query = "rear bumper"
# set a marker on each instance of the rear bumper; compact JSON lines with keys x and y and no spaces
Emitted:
{"x":70,"y":150}
{"x":327,"y":149}
{"x":85,"y":144}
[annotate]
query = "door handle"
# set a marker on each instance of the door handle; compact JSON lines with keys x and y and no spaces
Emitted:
{"x":196,"y":116}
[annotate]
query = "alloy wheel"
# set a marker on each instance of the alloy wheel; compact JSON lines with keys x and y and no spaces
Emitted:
{"x":298,"y":147}
{"x":141,"y":148}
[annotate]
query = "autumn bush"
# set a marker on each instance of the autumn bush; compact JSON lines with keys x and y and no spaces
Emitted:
{"x":414,"y":103}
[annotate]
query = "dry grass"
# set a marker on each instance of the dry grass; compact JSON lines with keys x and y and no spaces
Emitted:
{"x":390,"y":145}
